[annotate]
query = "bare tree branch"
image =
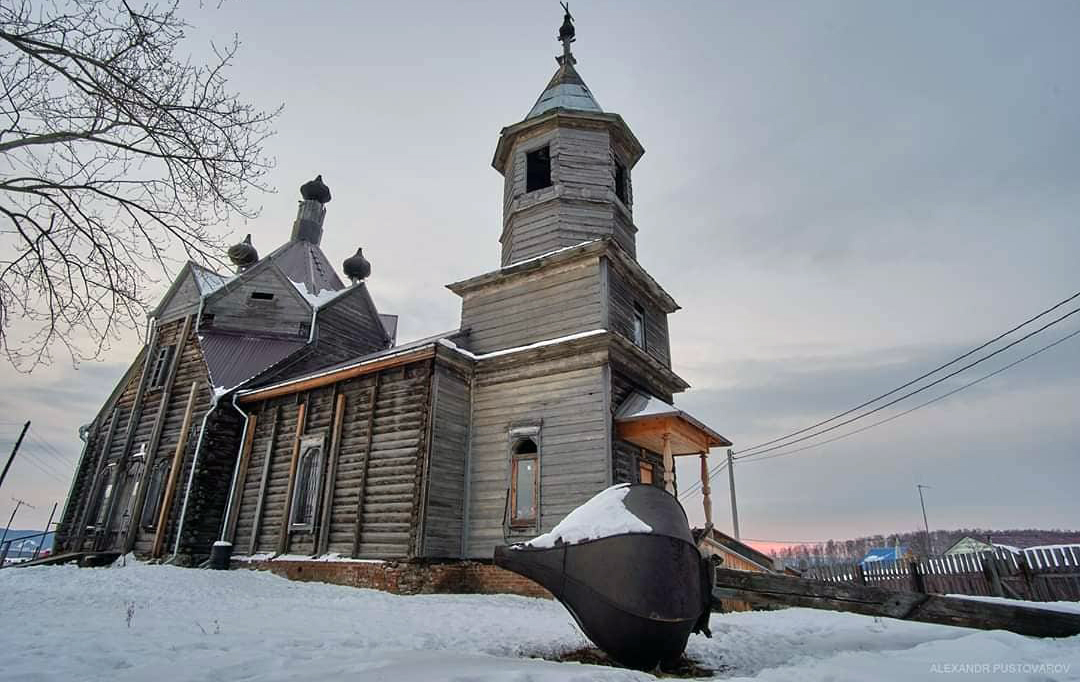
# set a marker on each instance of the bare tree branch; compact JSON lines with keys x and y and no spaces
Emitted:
{"x":115,"y":152}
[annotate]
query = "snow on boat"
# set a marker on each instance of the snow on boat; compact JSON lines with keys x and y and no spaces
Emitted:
{"x":626,"y":567}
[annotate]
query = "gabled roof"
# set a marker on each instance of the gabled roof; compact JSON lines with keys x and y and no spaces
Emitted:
{"x":565,"y":90}
{"x":206,"y":281}
{"x":875,"y":554}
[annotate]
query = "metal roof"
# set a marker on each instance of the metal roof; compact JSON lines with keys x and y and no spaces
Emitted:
{"x":304,"y":262}
{"x":235,"y":358}
{"x":639,"y":406}
{"x":565,"y":90}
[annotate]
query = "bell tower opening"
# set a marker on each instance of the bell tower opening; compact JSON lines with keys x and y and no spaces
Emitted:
{"x":538,"y":169}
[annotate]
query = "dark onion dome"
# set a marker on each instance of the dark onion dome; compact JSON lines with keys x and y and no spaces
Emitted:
{"x":315,"y":190}
{"x":357,"y":267}
{"x":243,"y":254}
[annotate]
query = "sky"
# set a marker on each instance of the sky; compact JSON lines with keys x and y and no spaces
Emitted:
{"x":840,"y":195}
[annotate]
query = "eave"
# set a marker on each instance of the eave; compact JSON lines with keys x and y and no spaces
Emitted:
{"x":567,"y":117}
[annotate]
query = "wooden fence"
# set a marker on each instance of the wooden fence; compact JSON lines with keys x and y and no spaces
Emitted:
{"x":1037,"y":574}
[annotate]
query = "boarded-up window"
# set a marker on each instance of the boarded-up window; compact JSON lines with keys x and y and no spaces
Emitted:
{"x":645,"y":472}
{"x":160,"y":370}
{"x":537,"y":169}
{"x":155,"y":488}
{"x":524,"y":482}
{"x":638,"y":330}
{"x":306,"y":492}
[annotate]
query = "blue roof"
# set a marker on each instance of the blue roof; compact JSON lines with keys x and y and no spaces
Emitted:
{"x":877,"y":554}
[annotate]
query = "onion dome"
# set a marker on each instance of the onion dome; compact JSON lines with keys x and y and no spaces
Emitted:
{"x":315,"y":190}
{"x":357,"y":268}
{"x":243,"y":255}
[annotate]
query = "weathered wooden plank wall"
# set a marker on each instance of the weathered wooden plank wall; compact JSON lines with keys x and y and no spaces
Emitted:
{"x":626,"y":455}
{"x":233,"y":306}
{"x":445,"y":507}
{"x":575,"y":457}
{"x":557,"y":302}
{"x":624,"y":294}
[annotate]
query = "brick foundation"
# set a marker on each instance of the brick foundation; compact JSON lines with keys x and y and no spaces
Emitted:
{"x":457,"y":577}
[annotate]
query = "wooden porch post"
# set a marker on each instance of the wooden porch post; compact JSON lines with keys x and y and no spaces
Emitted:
{"x":669,"y":464}
{"x":706,"y":499}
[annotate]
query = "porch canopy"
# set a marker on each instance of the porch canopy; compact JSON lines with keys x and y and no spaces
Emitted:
{"x":651,"y":423}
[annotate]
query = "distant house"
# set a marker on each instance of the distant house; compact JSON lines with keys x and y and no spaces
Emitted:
{"x":876,"y":554}
{"x":969,"y":545}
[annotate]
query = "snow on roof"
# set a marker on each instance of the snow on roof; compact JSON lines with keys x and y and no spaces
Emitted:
{"x":518,"y":349}
{"x":319,"y":298}
{"x":549,"y":253}
{"x":565,"y":90}
{"x":602,"y":516}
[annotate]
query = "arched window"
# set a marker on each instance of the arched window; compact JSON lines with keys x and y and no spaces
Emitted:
{"x":524,"y":482}
{"x":306,"y":490}
{"x":155,"y":488}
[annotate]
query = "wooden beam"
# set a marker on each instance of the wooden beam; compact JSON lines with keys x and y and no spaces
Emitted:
{"x":359,"y":526}
{"x":260,"y":501}
{"x":340,"y":375}
{"x":283,"y":532}
{"x":331,"y":477}
{"x":765,"y":588}
{"x":174,"y":472}
{"x":241,"y":477}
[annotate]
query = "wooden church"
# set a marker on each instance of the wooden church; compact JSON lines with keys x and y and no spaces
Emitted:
{"x":274,"y":410}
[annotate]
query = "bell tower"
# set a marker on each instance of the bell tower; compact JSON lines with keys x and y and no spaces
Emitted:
{"x":566,"y":168}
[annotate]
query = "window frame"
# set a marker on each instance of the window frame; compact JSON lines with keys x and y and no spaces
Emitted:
{"x":155,"y":491}
{"x":518,"y":436}
{"x":307,"y":444}
{"x":160,"y":371}
{"x":622,"y":182}
{"x":639,"y":327}
{"x":643,"y":466}
{"x":103,"y":492}
{"x":529,"y":177}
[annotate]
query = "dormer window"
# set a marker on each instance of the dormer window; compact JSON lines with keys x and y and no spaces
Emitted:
{"x":538,"y":169}
{"x":621,"y":183}
{"x":638,"y":330}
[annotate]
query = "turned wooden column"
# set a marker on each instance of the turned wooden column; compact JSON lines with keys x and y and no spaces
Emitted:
{"x":706,"y":498}
{"x":669,"y":465}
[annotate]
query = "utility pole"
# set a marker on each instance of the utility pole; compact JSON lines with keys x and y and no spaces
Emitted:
{"x":731,"y":486}
{"x":13,"y":451}
{"x":48,"y":525}
{"x":926,"y":524}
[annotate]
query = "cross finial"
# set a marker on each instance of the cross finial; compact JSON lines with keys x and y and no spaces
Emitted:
{"x":566,"y":33}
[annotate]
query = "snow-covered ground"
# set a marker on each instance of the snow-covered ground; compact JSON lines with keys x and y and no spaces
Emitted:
{"x":66,"y":623}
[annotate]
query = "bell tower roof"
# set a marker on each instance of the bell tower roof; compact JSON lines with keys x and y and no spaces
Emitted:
{"x":566,"y":89}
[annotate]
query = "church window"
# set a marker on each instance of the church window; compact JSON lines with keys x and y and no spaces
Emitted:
{"x":262,"y":295}
{"x":524,"y":482}
{"x":638,"y":330}
{"x":155,"y":488}
{"x":102,"y":493}
{"x":621,"y":183}
{"x":538,"y":169}
{"x":160,"y":369}
{"x":306,"y":491}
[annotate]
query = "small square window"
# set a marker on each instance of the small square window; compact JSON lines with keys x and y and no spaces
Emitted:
{"x":638,"y":331}
{"x":538,"y":169}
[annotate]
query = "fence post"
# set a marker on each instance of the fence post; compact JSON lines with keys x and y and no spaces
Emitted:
{"x":918,"y":584}
{"x":990,"y":564}
{"x":860,"y":577}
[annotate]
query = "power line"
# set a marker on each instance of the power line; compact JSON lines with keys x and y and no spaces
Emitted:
{"x":997,"y":338}
{"x":51,"y":449}
{"x":907,"y":395}
{"x":696,"y":485}
{"x":981,"y":379}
